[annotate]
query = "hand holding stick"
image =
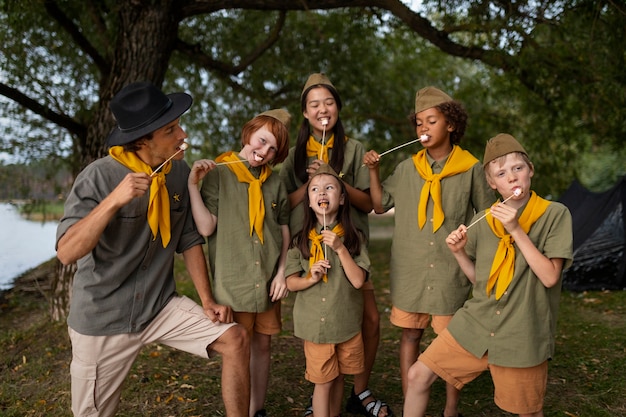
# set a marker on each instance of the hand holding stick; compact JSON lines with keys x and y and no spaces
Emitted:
{"x":516,"y":193}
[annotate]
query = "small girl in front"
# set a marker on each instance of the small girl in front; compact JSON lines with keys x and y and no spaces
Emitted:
{"x":326,"y":265}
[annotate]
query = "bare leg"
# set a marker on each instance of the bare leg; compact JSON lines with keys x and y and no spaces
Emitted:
{"x":321,"y":399}
{"x":234,"y":347}
{"x":419,"y":380}
{"x":409,"y":352}
{"x":260,"y":351}
{"x":452,"y":401}
{"x":336,"y":396}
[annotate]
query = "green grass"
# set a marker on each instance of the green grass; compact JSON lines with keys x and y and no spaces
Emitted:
{"x":586,"y":378}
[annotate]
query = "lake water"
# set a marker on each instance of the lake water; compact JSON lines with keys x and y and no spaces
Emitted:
{"x":24,"y":244}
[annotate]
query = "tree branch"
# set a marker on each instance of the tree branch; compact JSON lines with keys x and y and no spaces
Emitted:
{"x":66,"y":23}
{"x":60,"y":119}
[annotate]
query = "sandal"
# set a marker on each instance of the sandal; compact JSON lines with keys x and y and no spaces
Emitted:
{"x":371,"y":409}
{"x":309,"y":410}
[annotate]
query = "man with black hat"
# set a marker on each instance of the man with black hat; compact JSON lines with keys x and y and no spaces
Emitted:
{"x":125,"y":218}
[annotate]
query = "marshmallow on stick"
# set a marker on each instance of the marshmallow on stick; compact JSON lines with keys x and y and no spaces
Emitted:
{"x":181,"y":148}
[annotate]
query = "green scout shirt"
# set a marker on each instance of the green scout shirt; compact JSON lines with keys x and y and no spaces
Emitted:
{"x":125,"y":281}
{"x":328,"y":312}
{"x":425,"y":277}
{"x":241,"y":266}
{"x":352,"y":173}
{"x":518,"y":330}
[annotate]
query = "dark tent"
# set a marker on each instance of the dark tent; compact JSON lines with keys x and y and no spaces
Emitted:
{"x":599,"y":222}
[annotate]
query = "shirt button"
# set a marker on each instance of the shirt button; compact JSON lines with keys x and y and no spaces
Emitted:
{"x":324,"y":299}
{"x":432,"y":265}
{"x":430,"y":220}
{"x":431,"y":243}
{"x":257,"y":285}
{"x":428,"y":288}
{"x":322,"y":319}
{"x":498,"y":312}
{"x":493,"y":334}
{"x":256,"y":262}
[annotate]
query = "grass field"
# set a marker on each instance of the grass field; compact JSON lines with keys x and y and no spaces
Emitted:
{"x":586,"y":378}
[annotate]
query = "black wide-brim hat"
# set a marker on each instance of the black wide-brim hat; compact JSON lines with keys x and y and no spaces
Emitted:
{"x":141,"y":108}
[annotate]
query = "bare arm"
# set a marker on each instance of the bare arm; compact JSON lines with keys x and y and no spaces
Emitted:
{"x":278,"y":287}
{"x":371,"y":160}
{"x":297,"y":283}
{"x":204,"y":219}
{"x":456,"y":242}
{"x":82,"y":237}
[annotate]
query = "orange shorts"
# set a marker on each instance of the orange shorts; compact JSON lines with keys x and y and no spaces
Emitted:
{"x":267,"y":322}
{"x":408,"y":320}
{"x":516,"y":390}
{"x":326,"y":361}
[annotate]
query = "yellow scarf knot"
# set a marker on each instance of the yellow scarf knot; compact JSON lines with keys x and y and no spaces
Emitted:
{"x":159,"y":204}
{"x":317,"y":252}
{"x":503,"y":266}
{"x":315,"y":148}
{"x":256,"y":203}
{"x":458,"y":162}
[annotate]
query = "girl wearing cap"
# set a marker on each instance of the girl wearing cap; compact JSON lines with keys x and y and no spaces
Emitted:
{"x":515,"y":257}
{"x":433,"y":192}
{"x":326,"y":266}
{"x":244,"y":211}
{"x":322,"y":140}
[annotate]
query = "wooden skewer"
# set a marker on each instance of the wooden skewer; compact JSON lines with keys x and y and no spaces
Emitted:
{"x":324,"y":123}
{"x":517,"y":192}
{"x":229,"y":162}
{"x":420,"y":139}
{"x":181,"y":148}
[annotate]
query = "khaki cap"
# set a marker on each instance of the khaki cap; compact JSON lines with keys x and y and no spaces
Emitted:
{"x":500,"y":145}
{"x":429,"y":97}
{"x":281,"y":115}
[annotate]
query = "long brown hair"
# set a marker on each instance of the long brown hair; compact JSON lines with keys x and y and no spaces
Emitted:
{"x":300,"y":156}
{"x":351,"y":237}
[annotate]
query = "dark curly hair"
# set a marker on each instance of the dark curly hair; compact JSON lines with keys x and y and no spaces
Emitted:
{"x":455,"y":114}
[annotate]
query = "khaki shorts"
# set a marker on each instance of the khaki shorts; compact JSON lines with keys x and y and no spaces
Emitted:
{"x":100,"y":364}
{"x":517,"y":390}
{"x":267,"y":322}
{"x":408,"y":320}
{"x":326,"y":361}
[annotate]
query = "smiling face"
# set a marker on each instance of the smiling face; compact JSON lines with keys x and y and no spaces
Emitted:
{"x":261,"y":147}
{"x":325,"y":196}
{"x":509,"y":173}
{"x":165,"y":142}
{"x":320,"y":106}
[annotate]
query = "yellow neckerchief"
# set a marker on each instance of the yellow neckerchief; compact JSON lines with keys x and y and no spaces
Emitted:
{"x":458,"y":161}
{"x":313,"y":147}
{"x":317,"y":253}
{"x":256,"y":204}
{"x":159,"y":205}
{"x":503,"y":265}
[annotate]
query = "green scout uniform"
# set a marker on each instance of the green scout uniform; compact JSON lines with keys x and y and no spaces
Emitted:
{"x":425,"y":277}
{"x":241,"y":266}
{"x":327,"y":312}
{"x":352,"y":173}
{"x":518,"y":330}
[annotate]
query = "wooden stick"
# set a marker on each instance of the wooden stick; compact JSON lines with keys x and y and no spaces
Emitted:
{"x":182,"y":147}
{"x":517,"y":192}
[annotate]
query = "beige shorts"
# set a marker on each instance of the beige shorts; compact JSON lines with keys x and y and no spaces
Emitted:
{"x":408,"y":320}
{"x":100,"y":364}
{"x":326,"y":361}
{"x":267,"y":322}
{"x":517,"y":390}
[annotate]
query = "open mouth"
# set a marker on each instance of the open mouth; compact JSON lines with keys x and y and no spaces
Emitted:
{"x":258,"y":157}
{"x":323,"y":204}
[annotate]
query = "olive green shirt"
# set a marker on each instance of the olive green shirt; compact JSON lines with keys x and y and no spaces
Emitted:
{"x":353,"y":173}
{"x":425,"y":277}
{"x":327,"y":312}
{"x":518,"y":330}
{"x":241,"y":266}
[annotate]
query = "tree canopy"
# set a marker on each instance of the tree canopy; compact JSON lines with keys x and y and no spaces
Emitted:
{"x":550,"y":73}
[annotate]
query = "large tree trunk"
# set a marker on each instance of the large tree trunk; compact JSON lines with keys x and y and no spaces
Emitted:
{"x":145,"y":40}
